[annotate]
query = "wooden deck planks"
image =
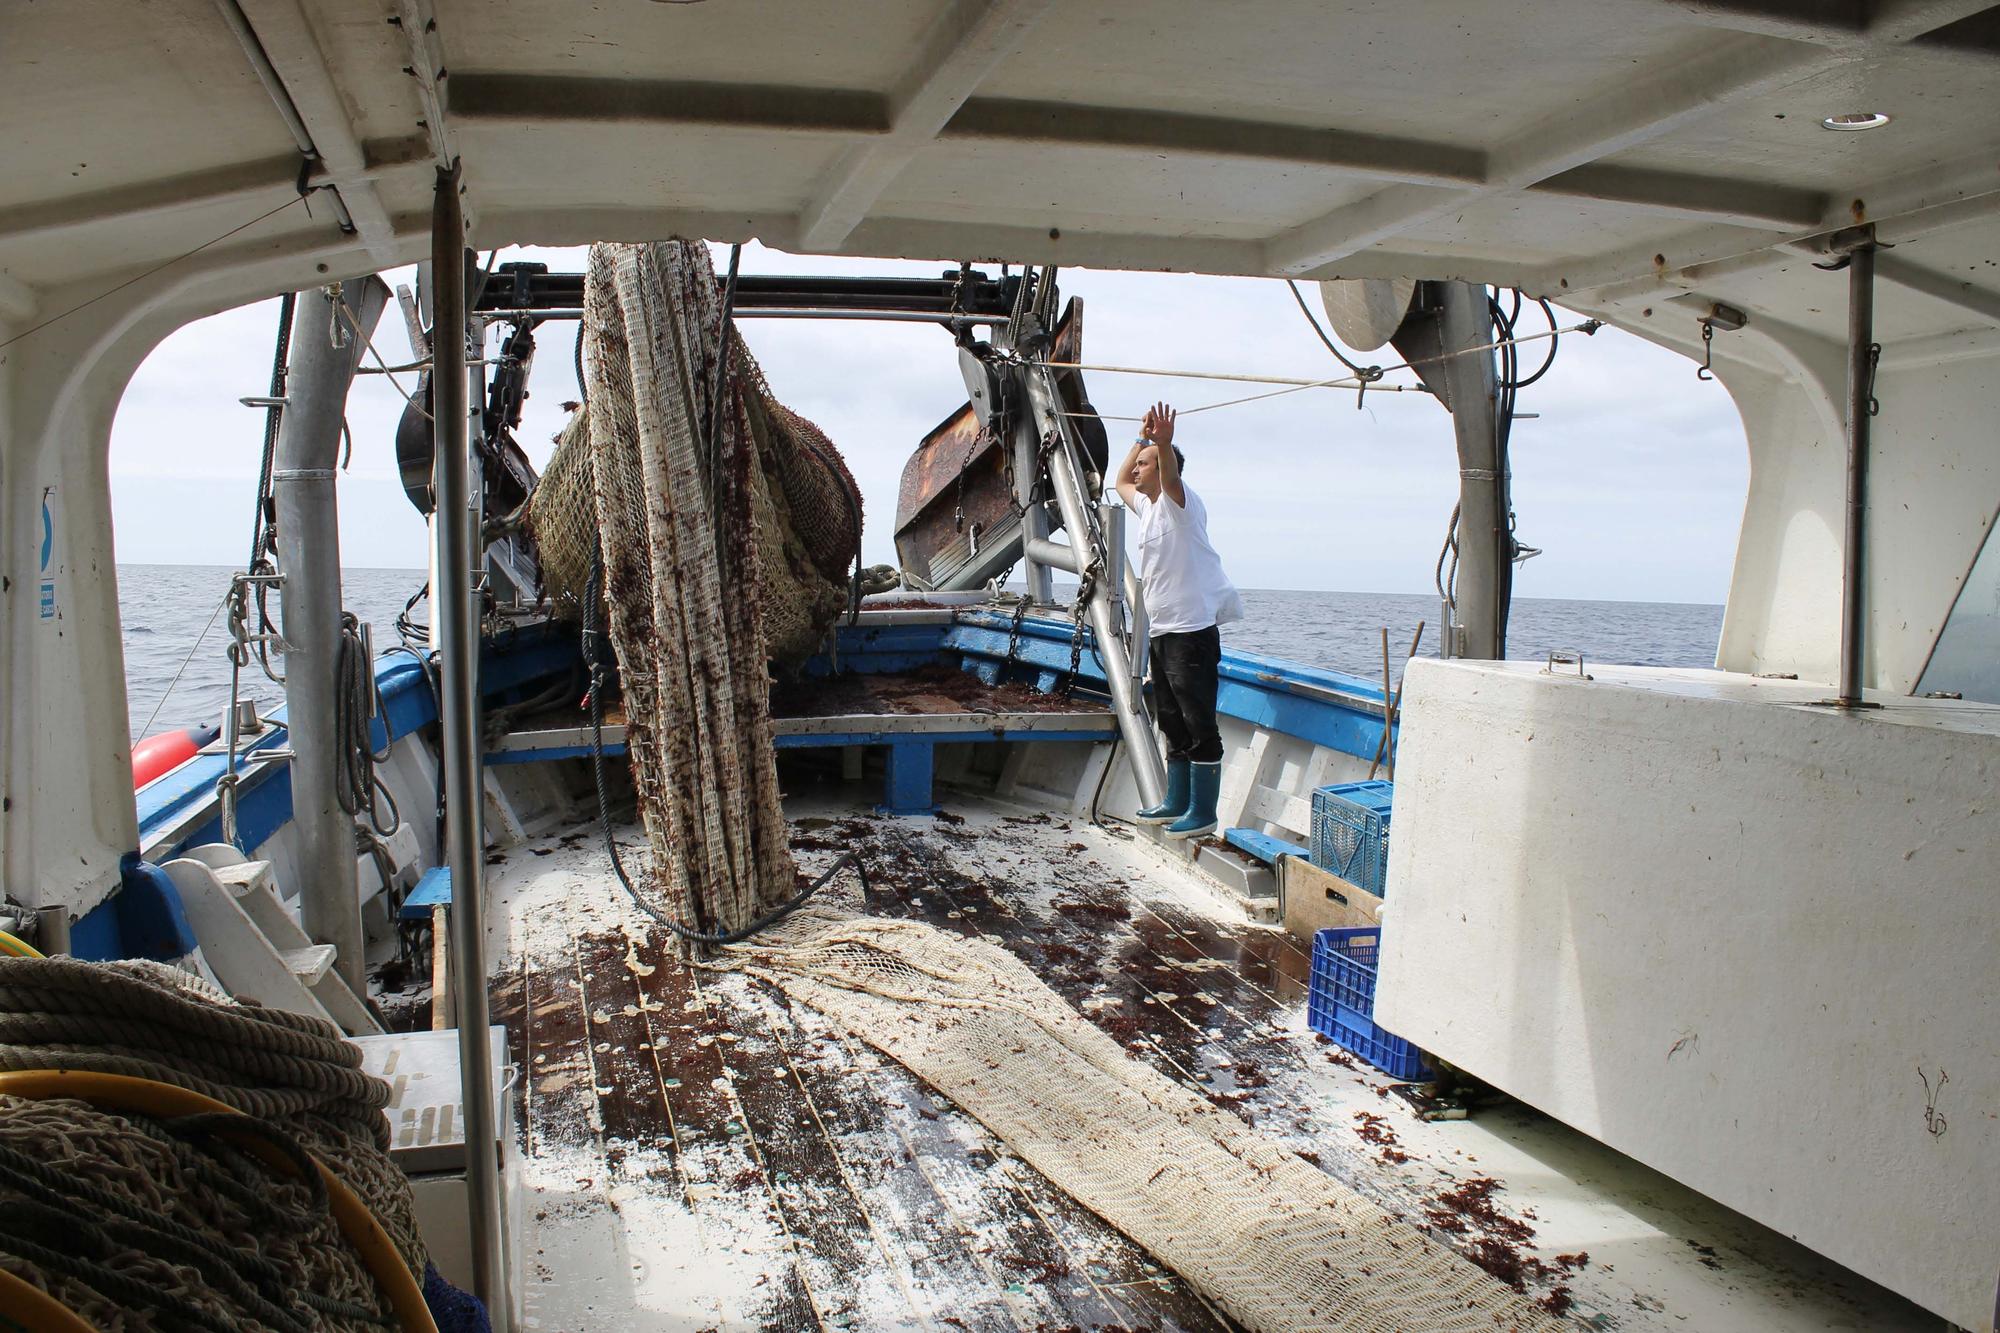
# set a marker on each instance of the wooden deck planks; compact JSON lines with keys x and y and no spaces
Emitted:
{"x":916,"y":1227}
{"x":869,"y":1201}
{"x":726,"y":1175}
{"x":991,"y":1204}
{"x":557,"y":1081}
{"x":1080,"y":961}
{"x":840,"y":1249}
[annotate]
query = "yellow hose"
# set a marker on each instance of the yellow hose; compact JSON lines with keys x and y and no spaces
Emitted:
{"x":17,"y":947}
{"x":28,"y":1306}
{"x":121,"y":1092}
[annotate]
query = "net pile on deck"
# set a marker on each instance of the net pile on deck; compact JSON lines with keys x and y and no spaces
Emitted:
{"x":1273,"y":1241}
{"x":142,"y":1221}
{"x":724,"y":530}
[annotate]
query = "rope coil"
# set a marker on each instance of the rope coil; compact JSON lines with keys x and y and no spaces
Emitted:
{"x":164,"y":1149}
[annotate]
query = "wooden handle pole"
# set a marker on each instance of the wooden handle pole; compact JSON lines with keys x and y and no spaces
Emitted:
{"x":1388,"y":709}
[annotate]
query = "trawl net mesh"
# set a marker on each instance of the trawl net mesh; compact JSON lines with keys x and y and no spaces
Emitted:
{"x":1275,"y":1242}
{"x":714,"y":566}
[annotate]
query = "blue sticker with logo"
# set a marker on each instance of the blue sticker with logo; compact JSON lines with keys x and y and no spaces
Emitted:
{"x":48,"y":590}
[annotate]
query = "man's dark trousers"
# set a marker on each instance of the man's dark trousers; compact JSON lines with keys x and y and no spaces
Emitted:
{"x":1184,"y":680}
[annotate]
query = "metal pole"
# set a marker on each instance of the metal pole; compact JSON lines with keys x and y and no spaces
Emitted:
{"x":1125,"y":583}
{"x":457,"y":638}
{"x":1860,"y":386}
{"x":1133,"y":721}
{"x":52,"y":930}
{"x":1111,"y":522}
{"x":308,"y":542}
{"x":1482,"y":522}
{"x":1066,"y":480}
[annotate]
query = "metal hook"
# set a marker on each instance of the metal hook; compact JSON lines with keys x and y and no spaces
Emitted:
{"x":1701,"y":372}
{"x":1874,"y":360}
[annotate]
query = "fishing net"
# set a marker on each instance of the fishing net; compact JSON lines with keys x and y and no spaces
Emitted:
{"x":142,"y":1222}
{"x":722,"y":551}
{"x":1273,"y":1241}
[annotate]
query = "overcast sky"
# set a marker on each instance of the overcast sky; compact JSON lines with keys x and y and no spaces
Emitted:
{"x":1632,"y":479}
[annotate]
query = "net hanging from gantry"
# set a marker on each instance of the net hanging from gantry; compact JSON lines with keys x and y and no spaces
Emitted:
{"x":722,"y":524}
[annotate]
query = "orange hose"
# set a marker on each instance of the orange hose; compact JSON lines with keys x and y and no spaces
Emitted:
{"x":29,"y":1307}
{"x":121,"y":1092}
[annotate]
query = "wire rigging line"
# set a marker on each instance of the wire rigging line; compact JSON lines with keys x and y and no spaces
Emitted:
{"x":382,"y":366}
{"x":1588,"y":326}
{"x":157,"y":268}
{"x":147,"y":729}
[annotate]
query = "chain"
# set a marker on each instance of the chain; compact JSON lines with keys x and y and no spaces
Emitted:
{"x":1014,"y":631}
{"x":1086,"y":587}
{"x":1007,"y":466}
{"x":958,"y":503}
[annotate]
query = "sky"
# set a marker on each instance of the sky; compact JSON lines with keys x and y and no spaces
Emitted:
{"x":1631,"y":478}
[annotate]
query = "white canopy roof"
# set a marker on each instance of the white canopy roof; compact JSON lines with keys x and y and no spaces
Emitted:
{"x":1578,"y":148}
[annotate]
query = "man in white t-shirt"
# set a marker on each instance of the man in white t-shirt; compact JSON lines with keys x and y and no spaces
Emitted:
{"x":1187,"y":598}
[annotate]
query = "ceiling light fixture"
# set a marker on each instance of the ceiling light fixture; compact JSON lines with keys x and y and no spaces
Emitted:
{"x":1855,"y":120}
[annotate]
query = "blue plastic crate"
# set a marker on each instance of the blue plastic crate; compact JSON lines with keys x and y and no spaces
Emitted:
{"x":1340,"y":1002}
{"x":1350,"y":832}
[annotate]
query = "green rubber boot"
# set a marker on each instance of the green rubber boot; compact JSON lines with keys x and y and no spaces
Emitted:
{"x":1205,"y":784}
{"x":1175,"y":803}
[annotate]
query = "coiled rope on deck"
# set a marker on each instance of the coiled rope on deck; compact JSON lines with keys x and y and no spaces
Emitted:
{"x":149,"y":1021}
{"x":300,"y":1089}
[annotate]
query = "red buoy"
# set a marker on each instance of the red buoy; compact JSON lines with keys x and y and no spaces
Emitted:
{"x":167,"y":751}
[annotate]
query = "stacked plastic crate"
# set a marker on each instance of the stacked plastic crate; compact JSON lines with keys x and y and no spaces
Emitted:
{"x":1350,"y":838}
{"x":1350,"y":832}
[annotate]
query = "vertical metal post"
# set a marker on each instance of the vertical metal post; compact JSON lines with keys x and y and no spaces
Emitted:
{"x":1111,"y":522}
{"x":1142,"y":625}
{"x":1482,"y":518}
{"x":1860,"y":391}
{"x":456,"y":633}
{"x":329,"y":327}
{"x":1125,"y":583}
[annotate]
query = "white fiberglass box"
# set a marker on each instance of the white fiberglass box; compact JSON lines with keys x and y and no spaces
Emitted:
{"x":1752,"y":942}
{"x":427,"y":1140}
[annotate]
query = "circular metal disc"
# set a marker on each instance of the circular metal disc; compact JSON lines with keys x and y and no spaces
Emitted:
{"x":1366,"y":311}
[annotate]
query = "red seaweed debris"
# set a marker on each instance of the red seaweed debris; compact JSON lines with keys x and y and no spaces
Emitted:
{"x":1497,"y":1246}
{"x":1375,"y":1131}
{"x":1471,"y":1204}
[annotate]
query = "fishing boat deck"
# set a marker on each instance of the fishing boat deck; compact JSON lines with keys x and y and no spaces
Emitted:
{"x":701,"y":1154}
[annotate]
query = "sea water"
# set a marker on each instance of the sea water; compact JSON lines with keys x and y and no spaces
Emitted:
{"x":175,"y":625}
